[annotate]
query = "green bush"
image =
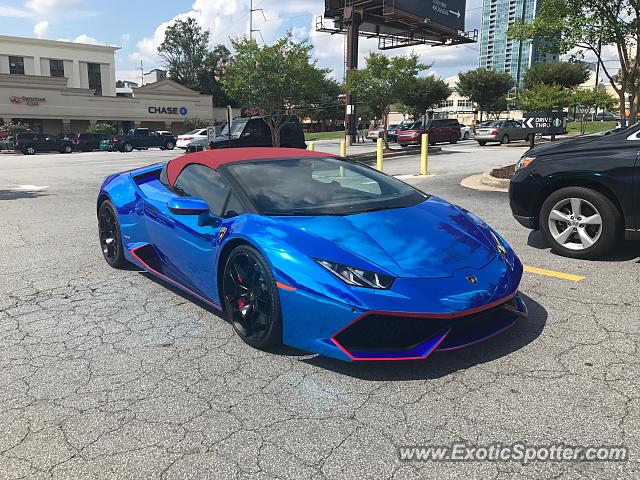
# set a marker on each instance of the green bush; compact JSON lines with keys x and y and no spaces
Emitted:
{"x":102,"y":127}
{"x":15,"y":127}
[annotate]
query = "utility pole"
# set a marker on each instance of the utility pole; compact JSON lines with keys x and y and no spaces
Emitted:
{"x":251,"y":29}
{"x":354,"y":19}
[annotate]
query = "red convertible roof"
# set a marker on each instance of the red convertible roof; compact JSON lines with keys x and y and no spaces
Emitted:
{"x":214,"y":158}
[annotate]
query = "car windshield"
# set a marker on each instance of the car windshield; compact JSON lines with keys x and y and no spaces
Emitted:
{"x":494,"y":124}
{"x":320,"y":186}
{"x":192,"y":132}
{"x":237,"y":126}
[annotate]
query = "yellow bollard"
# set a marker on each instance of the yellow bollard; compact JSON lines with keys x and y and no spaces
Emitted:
{"x":312,"y":147}
{"x":343,"y":148}
{"x":424,"y":154}
{"x":379,"y":145}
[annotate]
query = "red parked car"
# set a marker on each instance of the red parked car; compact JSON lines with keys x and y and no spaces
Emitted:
{"x":439,"y":130}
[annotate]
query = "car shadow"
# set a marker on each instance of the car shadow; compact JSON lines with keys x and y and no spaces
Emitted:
{"x":20,"y":194}
{"x":624,"y":252}
{"x":441,"y":364}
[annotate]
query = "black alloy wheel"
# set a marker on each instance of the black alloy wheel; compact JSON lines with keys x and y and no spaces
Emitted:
{"x":250,"y":298}
{"x":109,"y":233}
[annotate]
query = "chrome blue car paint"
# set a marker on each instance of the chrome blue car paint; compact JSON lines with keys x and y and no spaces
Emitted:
{"x":431,"y":248}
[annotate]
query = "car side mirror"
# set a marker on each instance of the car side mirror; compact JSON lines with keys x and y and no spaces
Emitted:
{"x":187,"y":206}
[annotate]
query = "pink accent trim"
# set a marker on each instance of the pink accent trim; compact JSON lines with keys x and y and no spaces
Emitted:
{"x":461,"y":313}
{"x":164,"y":277}
{"x":284,"y":286}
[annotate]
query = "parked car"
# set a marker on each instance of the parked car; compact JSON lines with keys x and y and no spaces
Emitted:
{"x":142,"y":139}
{"x":197,"y":145}
{"x":581,"y":193}
{"x":254,"y":132}
{"x":439,"y":130}
{"x":31,"y":143}
{"x":8,"y":143}
{"x":86,"y":142}
{"x":465,"y":132}
{"x":375,"y":133}
{"x":501,"y":131}
{"x":392,"y":132}
{"x":105,"y":144}
{"x":197,"y":134}
{"x":602,"y":117}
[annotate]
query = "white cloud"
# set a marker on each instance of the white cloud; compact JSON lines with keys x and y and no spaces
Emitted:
{"x":85,"y":39}
{"x":13,"y":12}
{"x":40,"y":28}
{"x":46,"y":7}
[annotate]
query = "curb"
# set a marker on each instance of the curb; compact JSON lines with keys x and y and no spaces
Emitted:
{"x":490,"y":181}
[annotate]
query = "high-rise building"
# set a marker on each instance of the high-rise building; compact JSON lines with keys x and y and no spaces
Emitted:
{"x":503,"y":54}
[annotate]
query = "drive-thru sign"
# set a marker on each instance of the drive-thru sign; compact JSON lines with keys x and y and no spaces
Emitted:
{"x":546,"y":123}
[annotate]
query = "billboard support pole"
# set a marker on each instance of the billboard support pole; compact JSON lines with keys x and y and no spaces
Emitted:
{"x":354,"y":19}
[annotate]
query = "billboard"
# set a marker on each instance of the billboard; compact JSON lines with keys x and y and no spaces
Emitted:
{"x":445,"y":12}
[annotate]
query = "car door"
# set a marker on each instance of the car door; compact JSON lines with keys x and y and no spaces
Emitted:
{"x":516,"y":132}
{"x":256,"y":133}
{"x":45,"y":142}
{"x":188,"y":249}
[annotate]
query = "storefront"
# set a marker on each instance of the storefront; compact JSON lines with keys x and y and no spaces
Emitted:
{"x":48,"y":105}
{"x":64,"y":87}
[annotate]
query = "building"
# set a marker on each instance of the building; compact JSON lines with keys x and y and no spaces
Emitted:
{"x":456,"y":106}
{"x":503,"y":54}
{"x":154,"y":76}
{"x":64,"y":87}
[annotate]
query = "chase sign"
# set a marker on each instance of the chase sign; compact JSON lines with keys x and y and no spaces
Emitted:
{"x":168,"y":111}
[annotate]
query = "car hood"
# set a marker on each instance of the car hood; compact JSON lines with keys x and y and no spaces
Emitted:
{"x":430,"y":240}
{"x":564,"y":145}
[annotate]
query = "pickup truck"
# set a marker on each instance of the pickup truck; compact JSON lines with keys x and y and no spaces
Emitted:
{"x":142,"y":139}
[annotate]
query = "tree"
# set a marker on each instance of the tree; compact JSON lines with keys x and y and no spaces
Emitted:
{"x":324,"y":103}
{"x":276,"y":78}
{"x":119,"y":84}
{"x":188,"y":60}
{"x":424,"y":94}
{"x":102,"y":127}
{"x":383,"y":82}
{"x":544,"y":98}
{"x":590,"y":26}
{"x":15,"y":127}
{"x":586,"y":101}
{"x":562,"y":74}
{"x":484,"y":87}
{"x":496,"y":108}
{"x":195,"y":123}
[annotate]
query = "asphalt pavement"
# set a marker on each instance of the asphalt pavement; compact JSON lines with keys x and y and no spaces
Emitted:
{"x":110,"y":374}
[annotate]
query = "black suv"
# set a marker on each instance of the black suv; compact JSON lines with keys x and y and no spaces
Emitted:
{"x":582,"y":193}
{"x":86,"y":142}
{"x":254,"y":132}
{"x":31,"y":143}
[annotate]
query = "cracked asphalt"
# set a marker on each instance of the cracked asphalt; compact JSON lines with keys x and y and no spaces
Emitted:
{"x":110,"y":374}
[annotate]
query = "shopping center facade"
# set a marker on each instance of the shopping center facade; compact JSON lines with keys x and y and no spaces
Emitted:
{"x":64,"y":87}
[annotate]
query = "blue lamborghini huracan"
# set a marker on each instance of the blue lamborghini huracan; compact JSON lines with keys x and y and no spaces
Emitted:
{"x":314,"y":251}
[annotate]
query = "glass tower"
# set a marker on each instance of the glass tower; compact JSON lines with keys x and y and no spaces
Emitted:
{"x":507,"y":55}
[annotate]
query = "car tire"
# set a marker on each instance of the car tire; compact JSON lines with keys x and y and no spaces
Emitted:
{"x":127,"y":147}
{"x":29,"y":150}
{"x":466,"y":135}
{"x":110,"y":236}
{"x":504,"y":140}
{"x":482,"y":143}
{"x":67,"y":149}
{"x":453,"y":139}
{"x":169,"y":145}
{"x":574,"y":239}
{"x":259,"y":326}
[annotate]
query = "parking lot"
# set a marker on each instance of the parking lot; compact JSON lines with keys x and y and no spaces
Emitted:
{"x":111,"y":374}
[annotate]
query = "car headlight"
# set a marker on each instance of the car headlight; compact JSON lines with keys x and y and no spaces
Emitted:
{"x":523,"y":162}
{"x":357,"y":276}
{"x":499,"y":245}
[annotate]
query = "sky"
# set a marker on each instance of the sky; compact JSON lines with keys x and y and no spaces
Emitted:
{"x":137,"y":27}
